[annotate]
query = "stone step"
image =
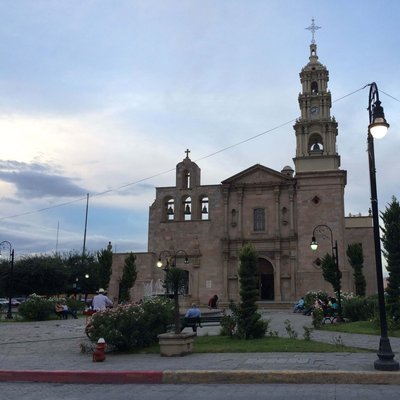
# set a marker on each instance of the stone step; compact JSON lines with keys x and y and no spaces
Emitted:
{"x":274,"y":305}
{"x":265,"y":305}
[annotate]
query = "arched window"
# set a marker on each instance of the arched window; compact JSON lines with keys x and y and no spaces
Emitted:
{"x":186,"y":183}
{"x":187,"y":209}
{"x":205,"y":208}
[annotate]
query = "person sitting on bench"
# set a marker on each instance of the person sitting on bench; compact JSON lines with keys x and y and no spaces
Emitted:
{"x":192,"y":318}
{"x":60,"y":311}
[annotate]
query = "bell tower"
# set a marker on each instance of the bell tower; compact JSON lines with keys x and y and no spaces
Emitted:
{"x":320,"y":183}
{"x":315,"y":130}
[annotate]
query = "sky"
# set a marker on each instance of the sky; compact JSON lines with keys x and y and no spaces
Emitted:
{"x":102,"y":98}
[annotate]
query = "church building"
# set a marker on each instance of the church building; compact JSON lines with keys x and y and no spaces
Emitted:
{"x":202,"y":228}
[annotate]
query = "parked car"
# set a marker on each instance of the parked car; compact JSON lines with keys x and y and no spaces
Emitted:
{"x":15,"y":302}
{"x":3,"y":301}
{"x":20,"y":299}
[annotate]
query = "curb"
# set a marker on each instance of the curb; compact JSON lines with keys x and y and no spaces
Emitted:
{"x":282,"y":376}
{"x":203,"y":377}
{"x":114,"y":377}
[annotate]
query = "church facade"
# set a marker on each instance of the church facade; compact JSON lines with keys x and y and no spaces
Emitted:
{"x":201,"y":228}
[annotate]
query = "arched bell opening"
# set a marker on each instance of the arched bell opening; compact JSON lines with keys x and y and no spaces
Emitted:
{"x":187,"y":208}
{"x":169,"y":210}
{"x":315,"y":144}
{"x":205,"y":208}
{"x":314,"y":87}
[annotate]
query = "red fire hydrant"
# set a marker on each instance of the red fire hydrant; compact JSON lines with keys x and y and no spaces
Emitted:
{"x":99,"y":354}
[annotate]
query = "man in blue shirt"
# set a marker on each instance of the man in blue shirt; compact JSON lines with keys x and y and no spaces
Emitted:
{"x":194,"y":314}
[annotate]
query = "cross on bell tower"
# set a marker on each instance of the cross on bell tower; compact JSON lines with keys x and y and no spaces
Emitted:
{"x":313,"y":28}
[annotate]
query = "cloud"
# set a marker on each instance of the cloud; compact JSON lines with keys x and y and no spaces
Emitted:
{"x":37,"y":180}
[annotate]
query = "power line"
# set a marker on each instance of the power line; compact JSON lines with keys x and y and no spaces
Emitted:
{"x":98,"y":194}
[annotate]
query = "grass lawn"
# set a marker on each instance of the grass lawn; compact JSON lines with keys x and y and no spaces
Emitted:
{"x":223,"y":344}
{"x":363,"y":327}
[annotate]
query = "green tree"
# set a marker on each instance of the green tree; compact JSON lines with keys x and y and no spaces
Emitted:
{"x":249,"y":322}
{"x":391,"y":244}
{"x":331,"y":273}
{"x":129,"y":275}
{"x":40,"y":274}
{"x":82,"y":273}
{"x":104,"y":258}
{"x":356,"y":259}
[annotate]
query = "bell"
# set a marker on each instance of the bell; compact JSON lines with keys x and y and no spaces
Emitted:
{"x":316,"y":147}
{"x":170,"y":210}
{"x":187,"y":209}
{"x":204,"y":210}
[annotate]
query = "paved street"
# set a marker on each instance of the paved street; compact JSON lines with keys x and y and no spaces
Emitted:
{"x":54,"y":346}
{"x":29,"y":391}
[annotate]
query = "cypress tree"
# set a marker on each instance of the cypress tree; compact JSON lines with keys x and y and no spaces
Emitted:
{"x":356,"y":259}
{"x":250,"y":324}
{"x":391,"y":244}
{"x":129,"y":275}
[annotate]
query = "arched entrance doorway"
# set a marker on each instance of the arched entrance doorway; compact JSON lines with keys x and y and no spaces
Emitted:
{"x":266,"y":279}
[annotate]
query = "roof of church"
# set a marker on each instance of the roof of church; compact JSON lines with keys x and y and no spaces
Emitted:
{"x":261,"y":174}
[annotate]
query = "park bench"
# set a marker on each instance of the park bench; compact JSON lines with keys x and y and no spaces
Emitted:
{"x":206,"y":319}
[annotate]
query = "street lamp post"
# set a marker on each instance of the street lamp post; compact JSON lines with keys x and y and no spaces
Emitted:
{"x":7,"y":244}
{"x":377,"y":129}
{"x":170,"y":258}
{"x":314,"y":246}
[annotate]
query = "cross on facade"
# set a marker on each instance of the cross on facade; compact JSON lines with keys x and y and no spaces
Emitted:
{"x":313,"y":28}
{"x":187,"y":153}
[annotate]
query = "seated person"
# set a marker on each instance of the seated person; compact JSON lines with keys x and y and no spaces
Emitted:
{"x":299,"y":306}
{"x":213,"y":302}
{"x":334,"y":303}
{"x":61,"y":310}
{"x":72,"y":307}
{"x":195,"y":315}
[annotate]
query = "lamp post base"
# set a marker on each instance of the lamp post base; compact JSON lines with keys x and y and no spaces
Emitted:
{"x":386,"y":361}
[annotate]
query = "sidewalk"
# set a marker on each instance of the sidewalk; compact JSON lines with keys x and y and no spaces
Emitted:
{"x":49,"y":351}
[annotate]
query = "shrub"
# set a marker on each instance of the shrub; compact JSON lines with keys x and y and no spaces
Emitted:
{"x":74,"y":304}
{"x":36,"y":308}
{"x":229,"y":323}
{"x":312,"y":295}
{"x":129,"y":327}
{"x":318,"y":317}
{"x":290,"y":331}
{"x":359,"y":308}
{"x":228,"y":326}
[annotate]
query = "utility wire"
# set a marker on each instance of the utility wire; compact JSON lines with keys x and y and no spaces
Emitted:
{"x":98,"y":194}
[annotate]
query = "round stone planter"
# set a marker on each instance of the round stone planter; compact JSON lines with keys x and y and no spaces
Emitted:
{"x":176,"y":344}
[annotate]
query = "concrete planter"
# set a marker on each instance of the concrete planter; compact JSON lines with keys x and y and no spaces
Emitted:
{"x":176,"y":345}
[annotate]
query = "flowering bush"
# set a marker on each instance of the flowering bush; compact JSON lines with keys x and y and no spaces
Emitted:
{"x":312,"y":295}
{"x":132,"y":326}
{"x":36,"y":308}
{"x":345,"y":296}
